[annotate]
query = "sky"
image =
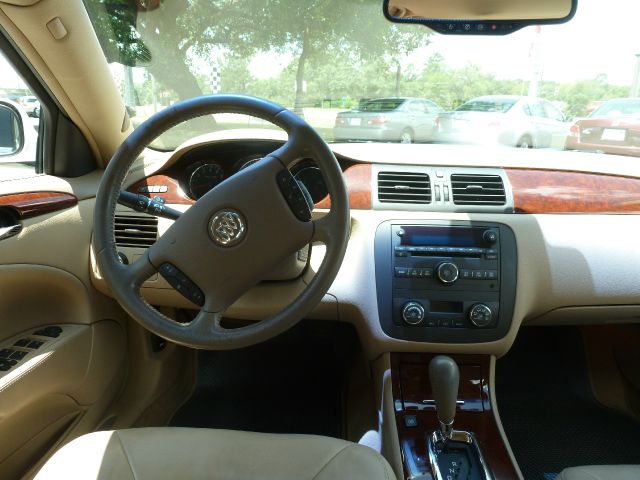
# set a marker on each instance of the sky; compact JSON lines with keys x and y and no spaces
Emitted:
{"x":603,"y":37}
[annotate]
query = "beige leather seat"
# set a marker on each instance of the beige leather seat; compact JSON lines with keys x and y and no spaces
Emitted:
{"x":601,"y":472}
{"x":191,"y":453}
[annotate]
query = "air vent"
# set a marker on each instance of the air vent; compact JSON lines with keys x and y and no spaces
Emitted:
{"x":404,"y":187}
{"x":478,"y":190}
{"x":135,"y":231}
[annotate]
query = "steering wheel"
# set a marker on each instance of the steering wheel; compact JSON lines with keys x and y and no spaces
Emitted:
{"x":232,"y":236}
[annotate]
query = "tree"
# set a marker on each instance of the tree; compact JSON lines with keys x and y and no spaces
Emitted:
{"x":315,"y":31}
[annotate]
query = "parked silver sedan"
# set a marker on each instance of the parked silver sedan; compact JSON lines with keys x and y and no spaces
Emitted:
{"x":393,"y":119}
{"x":510,"y":120}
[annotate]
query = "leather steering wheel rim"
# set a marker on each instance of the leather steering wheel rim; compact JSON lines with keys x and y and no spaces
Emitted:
{"x":272,"y":229}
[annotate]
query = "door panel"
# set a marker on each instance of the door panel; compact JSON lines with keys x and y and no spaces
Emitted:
{"x":62,"y":386}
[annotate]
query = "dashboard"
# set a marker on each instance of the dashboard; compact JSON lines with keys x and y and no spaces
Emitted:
{"x":555,"y":262}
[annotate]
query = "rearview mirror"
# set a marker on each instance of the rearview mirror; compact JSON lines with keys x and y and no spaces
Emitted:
{"x":479,"y":17}
{"x":11,"y":134}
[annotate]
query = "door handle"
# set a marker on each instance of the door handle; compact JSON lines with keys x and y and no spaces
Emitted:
{"x":11,"y":231}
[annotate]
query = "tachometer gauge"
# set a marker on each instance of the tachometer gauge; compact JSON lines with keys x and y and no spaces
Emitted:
{"x":204,"y":178}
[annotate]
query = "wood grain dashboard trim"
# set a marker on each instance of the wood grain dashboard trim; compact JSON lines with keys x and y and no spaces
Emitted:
{"x":32,"y":204}
{"x":358,"y":180}
{"x":556,"y":191}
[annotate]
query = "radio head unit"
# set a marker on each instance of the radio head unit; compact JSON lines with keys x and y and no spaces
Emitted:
{"x":445,"y":281}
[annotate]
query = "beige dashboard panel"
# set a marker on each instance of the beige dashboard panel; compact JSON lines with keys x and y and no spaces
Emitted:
{"x":563,"y":261}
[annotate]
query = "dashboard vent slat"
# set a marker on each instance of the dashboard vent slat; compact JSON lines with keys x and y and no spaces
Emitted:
{"x":404,"y":187}
{"x":135,"y":231}
{"x":478,"y":190}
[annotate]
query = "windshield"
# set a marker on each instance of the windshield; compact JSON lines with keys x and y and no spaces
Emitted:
{"x":321,"y":58}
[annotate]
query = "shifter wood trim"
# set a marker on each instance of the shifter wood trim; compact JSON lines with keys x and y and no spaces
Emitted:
{"x":410,"y":381}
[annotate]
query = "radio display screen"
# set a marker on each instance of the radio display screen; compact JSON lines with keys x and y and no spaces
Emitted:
{"x":442,"y":236}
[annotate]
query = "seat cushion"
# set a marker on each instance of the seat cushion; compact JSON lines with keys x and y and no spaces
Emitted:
{"x":601,"y":472}
{"x":192,"y":453}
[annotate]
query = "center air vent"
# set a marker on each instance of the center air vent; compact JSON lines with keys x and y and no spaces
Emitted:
{"x":404,"y":187}
{"x":478,"y":190}
{"x":135,"y":231}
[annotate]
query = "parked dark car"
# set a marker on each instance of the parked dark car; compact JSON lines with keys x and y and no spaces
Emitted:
{"x":394,"y":119}
{"x":614,"y":127}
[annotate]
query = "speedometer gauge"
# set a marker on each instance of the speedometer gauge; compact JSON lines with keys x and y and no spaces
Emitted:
{"x":204,"y":178}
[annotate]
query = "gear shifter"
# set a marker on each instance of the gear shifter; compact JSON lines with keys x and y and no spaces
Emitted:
{"x":445,"y":378}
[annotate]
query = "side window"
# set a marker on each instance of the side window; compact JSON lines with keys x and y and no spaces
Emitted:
{"x":553,"y":113}
{"x":20,"y":116}
{"x":538,"y":110}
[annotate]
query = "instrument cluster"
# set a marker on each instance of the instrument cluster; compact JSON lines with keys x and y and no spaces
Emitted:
{"x":204,"y":168}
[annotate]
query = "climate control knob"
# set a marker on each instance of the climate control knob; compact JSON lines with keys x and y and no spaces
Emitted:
{"x":412,"y":313}
{"x":480,"y":315}
{"x":447,"y":272}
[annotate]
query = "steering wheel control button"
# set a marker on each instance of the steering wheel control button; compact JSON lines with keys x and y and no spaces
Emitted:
{"x":294,"y":196}
{"x":412,"y":313}
{"x":181,"y":283}
{"x":480,"y":315}
{"x":447,"y":272}
{"x":227,"y":228}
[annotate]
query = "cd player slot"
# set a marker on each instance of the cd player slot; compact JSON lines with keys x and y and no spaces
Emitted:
{"x":444,"y":254}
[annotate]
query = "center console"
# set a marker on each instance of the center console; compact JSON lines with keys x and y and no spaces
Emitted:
{"x":476,"y":449}
{"x":445,"y":281}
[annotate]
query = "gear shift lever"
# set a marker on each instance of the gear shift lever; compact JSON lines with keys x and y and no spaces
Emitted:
{"x":445,"y":377}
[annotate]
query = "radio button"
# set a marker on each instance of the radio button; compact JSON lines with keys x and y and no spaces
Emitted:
{"x":413,"y":313}
{"x":465,"y":274}
{"x":402,"y":272}
{"x":492,"y":274}
{"x":477,"y":274}
{"x":458,"y":322}
{"x":445,"y":323}
{"x":447,"y":272}
{"x":491,"y":254}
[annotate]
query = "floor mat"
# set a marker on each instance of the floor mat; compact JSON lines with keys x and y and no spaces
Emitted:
{"x":548,"y":411}
{"x":290,"y":384}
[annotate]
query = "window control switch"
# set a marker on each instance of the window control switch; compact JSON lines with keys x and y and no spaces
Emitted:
{"x":35,"y":344}
{"x":23,"y":342}
{"x":18,"y":355}
{"x":6,"y":352}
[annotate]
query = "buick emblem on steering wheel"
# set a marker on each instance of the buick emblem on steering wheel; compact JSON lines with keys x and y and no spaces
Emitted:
{"x":227,"y":228}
